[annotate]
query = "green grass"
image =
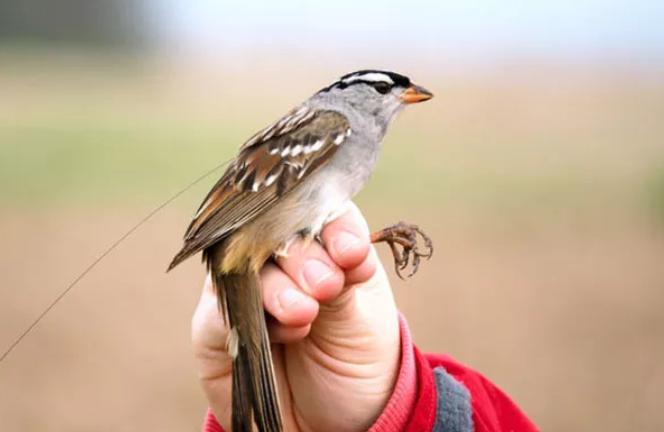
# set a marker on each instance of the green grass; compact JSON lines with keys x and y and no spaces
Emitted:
{"x":98,"y":164}
{"x":105,"y":136}
{"x":654,"y":194}
{"x":129,"y":162}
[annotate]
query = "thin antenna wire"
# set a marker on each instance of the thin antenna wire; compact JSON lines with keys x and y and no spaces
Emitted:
{"x":102,"y":256}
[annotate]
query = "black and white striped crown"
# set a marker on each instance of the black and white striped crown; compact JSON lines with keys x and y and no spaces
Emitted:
{"x":371,"y":77}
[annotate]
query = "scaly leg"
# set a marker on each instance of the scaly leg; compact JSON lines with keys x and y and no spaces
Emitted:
{"x":405,"y":235}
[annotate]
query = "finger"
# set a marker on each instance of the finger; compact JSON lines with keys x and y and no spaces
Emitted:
{"x":313,"y":270}
{"x":365,"y":271}
{"x":208,"y":329}
{"x":347,"y":238}
{"x":284,"y":300}
{"x":286,"y":335}
{"x":209,"y":335}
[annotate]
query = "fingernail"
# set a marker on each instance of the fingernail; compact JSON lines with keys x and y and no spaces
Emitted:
{"x":345,"y":241}
{"x":290,"y":297}
{"x":316,"y":272}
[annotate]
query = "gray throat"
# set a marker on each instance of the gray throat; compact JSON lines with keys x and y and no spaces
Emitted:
{"x":357,"y":156}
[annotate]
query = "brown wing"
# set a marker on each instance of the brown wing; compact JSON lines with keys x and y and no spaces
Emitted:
{"x":269,"y":165}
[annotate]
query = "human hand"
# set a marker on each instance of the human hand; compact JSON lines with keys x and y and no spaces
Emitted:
{"x":334,"y":330}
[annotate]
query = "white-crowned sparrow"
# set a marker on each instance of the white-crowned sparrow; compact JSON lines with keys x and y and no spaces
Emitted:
{"x":288,"y":181}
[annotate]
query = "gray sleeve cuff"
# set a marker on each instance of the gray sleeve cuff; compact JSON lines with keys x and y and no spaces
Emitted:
{"x":453,"y":409}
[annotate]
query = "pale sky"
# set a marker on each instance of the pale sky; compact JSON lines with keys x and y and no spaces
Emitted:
{"x":563,"y":28}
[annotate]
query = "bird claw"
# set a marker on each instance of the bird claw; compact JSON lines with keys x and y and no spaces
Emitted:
{"x":405,"y":235}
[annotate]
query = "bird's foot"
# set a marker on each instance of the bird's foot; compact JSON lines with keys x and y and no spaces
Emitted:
{"x":405,"y":234}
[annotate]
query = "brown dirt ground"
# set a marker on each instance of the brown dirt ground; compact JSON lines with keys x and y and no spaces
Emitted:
{"x":566,"y":319}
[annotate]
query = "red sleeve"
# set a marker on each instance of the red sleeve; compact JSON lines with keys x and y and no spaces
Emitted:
{"x":211,"y":424}
{"x":412,"y":406}
{"x":493,"y":410}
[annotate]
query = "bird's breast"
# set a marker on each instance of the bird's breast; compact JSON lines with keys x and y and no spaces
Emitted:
{"x":307,"y":208}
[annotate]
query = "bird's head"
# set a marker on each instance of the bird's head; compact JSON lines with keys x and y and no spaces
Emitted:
{"x":381,"y":94}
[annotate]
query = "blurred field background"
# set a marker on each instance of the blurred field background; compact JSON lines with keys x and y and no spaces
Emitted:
{"x":538,"y":169}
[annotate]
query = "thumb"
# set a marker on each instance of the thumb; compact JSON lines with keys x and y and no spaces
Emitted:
{"x":362,"y":320}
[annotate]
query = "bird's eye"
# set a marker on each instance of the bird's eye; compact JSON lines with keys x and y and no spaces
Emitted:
{"x":382,"y":87}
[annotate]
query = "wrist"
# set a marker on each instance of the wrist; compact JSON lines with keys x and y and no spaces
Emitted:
{"x":399,"y":407}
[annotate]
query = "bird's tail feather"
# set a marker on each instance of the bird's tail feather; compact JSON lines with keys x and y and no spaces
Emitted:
{"x":254,"y":382}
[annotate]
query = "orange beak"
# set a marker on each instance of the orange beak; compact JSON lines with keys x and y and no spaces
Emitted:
{"x":414,"y":94}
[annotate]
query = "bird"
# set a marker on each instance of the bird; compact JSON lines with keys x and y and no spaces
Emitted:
{"x":286,"y":182}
